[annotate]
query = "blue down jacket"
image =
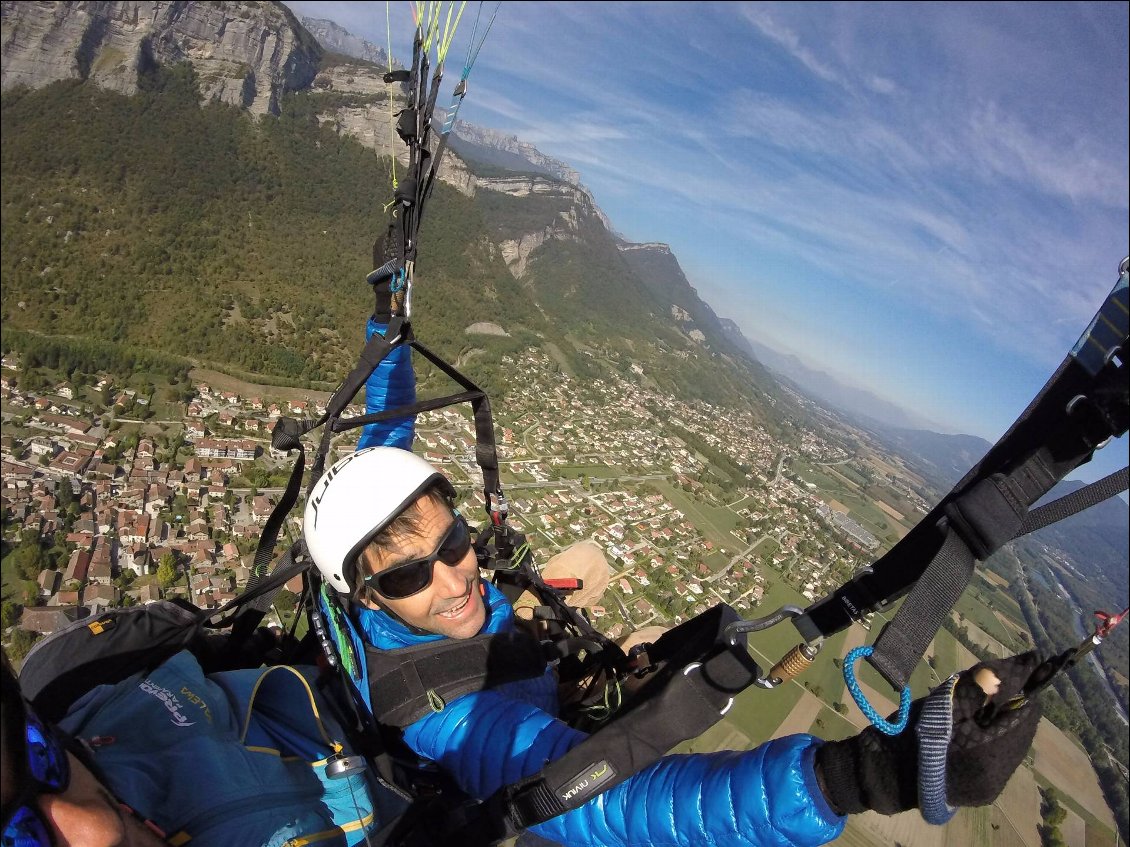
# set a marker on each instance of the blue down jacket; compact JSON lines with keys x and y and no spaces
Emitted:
{"x":391,"y":384}
{"x":488,"y":739}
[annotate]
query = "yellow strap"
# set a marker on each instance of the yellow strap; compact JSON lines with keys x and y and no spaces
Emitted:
{"x":334,"y":745}
{"x":351,"y":826}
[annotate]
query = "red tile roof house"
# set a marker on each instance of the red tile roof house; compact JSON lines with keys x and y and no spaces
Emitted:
{"x":64,"y":598}
{"x":47,"y":619}
{"x":48,"y":582}
{"x":77,"y":566}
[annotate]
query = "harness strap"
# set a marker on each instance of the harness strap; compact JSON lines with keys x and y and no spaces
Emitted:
{"x":286,"y":435}
{"x":1076,"y":501}
{"x":1081,"y":406}
{"x":901,"y":644}
{"x":977,"y":523}
{"x":695,"y":698}
{"x":408,"y":683}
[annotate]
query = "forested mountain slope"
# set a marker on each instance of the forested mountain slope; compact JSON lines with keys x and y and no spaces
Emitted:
{"x":201,"y":231}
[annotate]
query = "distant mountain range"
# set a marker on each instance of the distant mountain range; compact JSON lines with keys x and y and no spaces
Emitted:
{"x":340,"y":40}
{"x":824,"y":387}
{"x":508,"y":152}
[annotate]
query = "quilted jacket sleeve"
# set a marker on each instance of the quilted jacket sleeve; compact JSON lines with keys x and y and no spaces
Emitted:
{"x":766,"y":796}
{"x":392,"y":384}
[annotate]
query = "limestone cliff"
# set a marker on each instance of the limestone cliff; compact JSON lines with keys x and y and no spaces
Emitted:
{"x":340,"y":40}
{"x":575,"y":205}
{"x":510,"y":152}
{"x":245,"y":53}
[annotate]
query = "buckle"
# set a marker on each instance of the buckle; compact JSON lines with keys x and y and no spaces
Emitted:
{"x":1090,"y":421}
{"x":639,"y":662}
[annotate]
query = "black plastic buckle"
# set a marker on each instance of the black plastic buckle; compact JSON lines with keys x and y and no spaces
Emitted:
{"x":639,"y":662}
{"x":1090,"y":421}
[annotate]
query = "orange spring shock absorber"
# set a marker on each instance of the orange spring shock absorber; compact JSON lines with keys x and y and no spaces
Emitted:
{"x":793,"y":663}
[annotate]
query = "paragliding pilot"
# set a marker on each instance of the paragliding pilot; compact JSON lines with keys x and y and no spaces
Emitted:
{"x":382,"y":529}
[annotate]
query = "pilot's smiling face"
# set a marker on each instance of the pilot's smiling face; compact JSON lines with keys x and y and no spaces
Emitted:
{"x":452,"y":603}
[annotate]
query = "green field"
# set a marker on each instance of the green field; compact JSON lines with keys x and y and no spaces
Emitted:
{"x":593,"y":471}
{"x":828,"y":484}
{"x":715,"y":522}
{"x":757,"y":712}
{"x":972,"y":608}
{"x":12,"y":584}
{"x":945,"y":654}
{"x":850,"y":474}
{"x":1001,"y":600}
{"x":824,"y":677}
{"x":716,"y":561}
{"x":832,"y":726}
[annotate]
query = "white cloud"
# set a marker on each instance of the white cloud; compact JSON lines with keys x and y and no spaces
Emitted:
{"x":761,"y":18}
{"x":1069,"y":165}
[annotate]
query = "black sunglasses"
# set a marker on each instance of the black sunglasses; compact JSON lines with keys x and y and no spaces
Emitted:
{"x":414,"y":576}
{"x":43,"y":768}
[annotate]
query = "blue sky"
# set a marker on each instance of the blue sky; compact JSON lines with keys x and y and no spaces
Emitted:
{"x":926,"y":200}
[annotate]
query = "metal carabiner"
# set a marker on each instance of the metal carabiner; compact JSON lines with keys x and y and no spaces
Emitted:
{"x":792,"y":663}
{"x":785,"y":613}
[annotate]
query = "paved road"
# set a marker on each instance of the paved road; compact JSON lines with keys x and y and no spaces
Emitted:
{"x":716,"y":576}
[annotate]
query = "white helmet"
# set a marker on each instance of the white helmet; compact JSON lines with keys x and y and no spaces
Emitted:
{"x":357,"y":498}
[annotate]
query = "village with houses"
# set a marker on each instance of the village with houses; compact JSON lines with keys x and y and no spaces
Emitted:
{"x":132,"y":508}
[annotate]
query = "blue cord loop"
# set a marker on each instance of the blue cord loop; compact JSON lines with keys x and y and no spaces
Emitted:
{"x":880,"y":723}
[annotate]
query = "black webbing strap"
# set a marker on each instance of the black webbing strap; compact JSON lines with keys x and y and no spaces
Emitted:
{"x":378,"y":346}
{"x":486,"y":452}
{"x":290,"y":564}
{"x":286,"y":436}
{"x":903,"y":641}
{"x":977,"y":523}
{"x":693,"y":700}
{"x":1076,"y":501}
{"x":990,"y":514}
{"x":992,"y":511}
{"x":1074,"y":413}
{"x":408,"y":683}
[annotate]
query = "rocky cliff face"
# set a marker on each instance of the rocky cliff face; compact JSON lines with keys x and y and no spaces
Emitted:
{"x":368,"y":115}
{"x":340,"y":40}
{"x":575,"y":202}
{"x":245,"y":53}
{"x":659,"y":270}
{"x":489,"y":143}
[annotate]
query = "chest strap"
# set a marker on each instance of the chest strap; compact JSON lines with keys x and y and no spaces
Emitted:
{"x":411,"y":682}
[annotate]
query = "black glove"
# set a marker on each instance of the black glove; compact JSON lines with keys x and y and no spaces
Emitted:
{"x":991,"y":735}
{"x":387,"y":264}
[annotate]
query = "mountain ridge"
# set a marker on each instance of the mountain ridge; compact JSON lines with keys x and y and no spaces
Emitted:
{"x":556,"y":240}
{"x":333,"y":36}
